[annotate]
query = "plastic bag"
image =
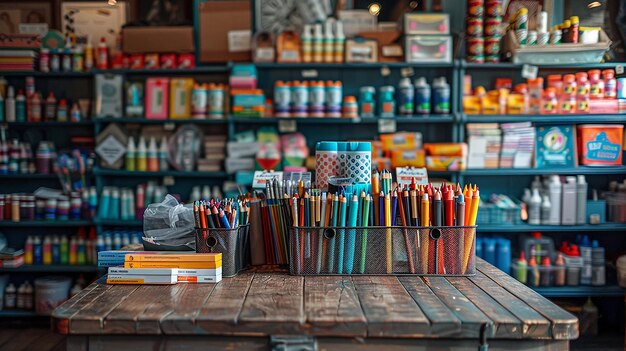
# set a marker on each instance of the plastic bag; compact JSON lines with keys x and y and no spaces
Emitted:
{"x":169,"y":223}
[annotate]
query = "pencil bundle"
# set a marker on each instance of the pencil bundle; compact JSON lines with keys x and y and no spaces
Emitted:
{"x":220,"y":214}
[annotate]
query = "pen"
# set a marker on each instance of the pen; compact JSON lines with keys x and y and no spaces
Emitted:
{"x":352,"y":217}
{"x":366,"y":211}
{"x":342,"y":223}
{"x":424,"y":235}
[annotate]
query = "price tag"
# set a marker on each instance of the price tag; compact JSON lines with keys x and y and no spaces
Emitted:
{"x":530,"y":71}
{"x":287,"y":126}
{"x":300,"y":176}
{"x":385,"y":71}
{"x":309,"y":73}
{"x":169,"y":126}
{"x":405,"y":175}
{"x":407,"y":72}
{"x":168,"y":181}
{"x":619,"y":69}
{"x":261,"y":177}
{"x":386,"y":126}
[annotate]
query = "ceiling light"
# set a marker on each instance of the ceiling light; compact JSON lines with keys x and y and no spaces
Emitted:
{"x":374,"y":9}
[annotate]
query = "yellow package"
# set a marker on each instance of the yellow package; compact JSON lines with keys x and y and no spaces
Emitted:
{"x":180,"y":98}
{"x":408,"y":158}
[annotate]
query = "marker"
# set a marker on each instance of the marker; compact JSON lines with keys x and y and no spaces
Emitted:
{"x":424,"y":235}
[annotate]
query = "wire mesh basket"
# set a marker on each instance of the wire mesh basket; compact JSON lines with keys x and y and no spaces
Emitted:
{"x":446,"y":251}
{"x":234,"y":244}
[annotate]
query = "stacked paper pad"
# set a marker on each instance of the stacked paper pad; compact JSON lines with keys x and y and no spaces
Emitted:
{"x":484,"y":145}
{"x":167,"y":268}
{"x":518,"y":145}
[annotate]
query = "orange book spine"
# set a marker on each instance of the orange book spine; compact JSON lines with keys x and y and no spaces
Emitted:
{"x":173,"y":264}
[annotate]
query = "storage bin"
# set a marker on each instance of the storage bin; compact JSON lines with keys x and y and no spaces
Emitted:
{"x":234,"y":244}
{"x":428,"y":48}
{"x":382,"y":250}
{"x":426,"y":23}
{"x":600,"y":144}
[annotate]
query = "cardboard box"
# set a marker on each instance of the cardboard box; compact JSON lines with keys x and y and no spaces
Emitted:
{"x":158,"y":39}
{"x":225,"y":30}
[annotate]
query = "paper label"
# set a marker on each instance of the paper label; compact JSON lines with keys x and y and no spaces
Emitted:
{"x":407,"y":72}
{"x":265,"y":54}
{"x":405,"y":175}
{"x":168,"y":181}
{"x":386,"y":126}
{"x":530,"y":71}
{"x":287,"y":126}
{"x":385,"y":71}
{"x":300,"y":176}
{"x":309,"y":73}
{"x":619,"y":69}
{"x":169,"y":126}
{"x":239,"y":40}
{"x":33,"y":28}
{"x":111,"y":150}
{"x":261,"y":177}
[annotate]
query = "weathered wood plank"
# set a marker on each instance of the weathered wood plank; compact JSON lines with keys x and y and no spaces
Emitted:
{"x":90,"y":319}
{"x":274,"y":305}
{"x":62,"y":315}
{"x":219,"y":313}
{"x":505,"y":324}
{"x":162,"y":302}
{"x":443,"y":323}
{"x":47,"y":341}
{"x":182,"y":317}
{"x":533,"y":324}
{"x":123,"y":318}
{"x":564,"y":324}
{"x":389,"y":309}
{"x":332,"y":307}
{"x":472,"y":319}
{"x":22,"y":338}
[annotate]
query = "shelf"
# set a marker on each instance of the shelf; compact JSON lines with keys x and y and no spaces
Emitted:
{"x":341,"y":120}
{"x":349,"y":65}
{"x":46,"y":74}
{"x":124,"y":173}
{"x":509,"y":65}
{"x":545,"y":119}
{"x":141,"y":120}
{"x":46,"y":223}
{"x":46,"y":124}
{"x":51,"y":269}
{"x":174,"y":71}
{"x":19,"y":314}
{"x":521,"y":228}
{"x":29,"y":176}
{"x":581,"y":291}
{"x":119,"y":222}
{"x":496,"y":172}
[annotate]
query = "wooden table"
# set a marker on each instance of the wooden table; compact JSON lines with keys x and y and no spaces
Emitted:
{"x":260,"y":311}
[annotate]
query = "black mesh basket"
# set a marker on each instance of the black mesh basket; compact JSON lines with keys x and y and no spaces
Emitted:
{"x":382,"y":250}
{"x":234,"y":244}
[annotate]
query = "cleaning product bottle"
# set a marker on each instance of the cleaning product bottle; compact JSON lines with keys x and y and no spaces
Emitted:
{"x":534,"y":208}
{"x":406,"y":97}
{"x":10,"y":105}
{"x":546,"y":209}
{"x":318,"y":43}
{"x":75,"y":113}
{"x":153,"y":156}
{"x":64,"y":250}
{"x":340,"y":40}
{"x":307,"y":44}
{"x":131,"y":155}
{"x":10,"y":297}
{"x":329,"y":40}
{"x":20,"y":107}
{"x":163,"y":151}
{"x":51,"y":107}
{"x":88,"y":55}
{"x":28,"y":251}
{"x":141,"y":158}
{"x":554,"y":192}
{"x":422,"y":96}
{"x":441,"y":96}
{"x":581,"y":200}
{"x":103,"y":54}
{"x":62,"y":115}
{"x":610,"y":84}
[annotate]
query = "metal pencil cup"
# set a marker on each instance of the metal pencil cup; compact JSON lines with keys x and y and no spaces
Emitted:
{"x":448,"y":251}
{"x":234,"y":244}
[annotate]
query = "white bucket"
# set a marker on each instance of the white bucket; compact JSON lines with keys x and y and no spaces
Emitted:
{"x":51,"y":292}
{"x":621,"y":271}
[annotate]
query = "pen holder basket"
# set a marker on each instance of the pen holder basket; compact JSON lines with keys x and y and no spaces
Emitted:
{"x":233,"y":244}
{"x":382,"y":250}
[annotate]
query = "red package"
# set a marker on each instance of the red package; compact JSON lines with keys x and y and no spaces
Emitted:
{"x":186,"y":61}
{"x":136,"y":61}
{"x":168,"y":61}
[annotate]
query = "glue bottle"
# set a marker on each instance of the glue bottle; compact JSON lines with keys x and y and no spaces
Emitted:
{"x":163,"y":151}
{"x":20,"y":107}
{"x":153,"y":156}
{"x":441,"y":96}
{"x":340,"y":40}
{"x":103,"y":54}
{"x":141,"y":158}
{"x":422,"y":96}
{"x":10,"y":105}
{"x":318,"y":43}
{"x":329,"y":41}
{"x":307,"y":44}
{"x":130,"y":155}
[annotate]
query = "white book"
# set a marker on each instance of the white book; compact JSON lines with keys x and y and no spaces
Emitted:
{"x":141,"y":279}
{"x":199,"y":279}
{"x":143,"y":271}
{"x":203,"y":271}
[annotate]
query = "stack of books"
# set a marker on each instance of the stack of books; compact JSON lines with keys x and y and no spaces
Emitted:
{"x":17,"y":60}
{"x":167,"y":268}
{"x":484,"y":141}
{"x":10,"y":258}
{"x":214,"y":154}
{"x":518,"y":145}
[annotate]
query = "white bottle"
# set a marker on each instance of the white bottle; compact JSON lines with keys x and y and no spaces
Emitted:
{"x":10,"y":297}
{"x":195,"y":194}
{"x":206,"y":192}
{"x":329,"y":41}
{"x":527,"y":196}
{"x":163,"y":151}
{"x":20,"y":303}
{"x":534,"y":209}
{"x":554,"y":192}
{"x":581,"y":200}
{"x":340,"y":40}
{"x":546,"y":209}
{"x":10,"y":105}
{"x":307,"y":44}
{"x":318,"y":43}
{"x":568,"y":202}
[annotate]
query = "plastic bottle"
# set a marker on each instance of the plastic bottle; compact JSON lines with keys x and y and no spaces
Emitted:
{"x":329,"y":41}
{"x":66,"y":58}
{"x":307,"y":45}
{"x":422,"y":96}
{"x":406,"y":97}
{"x":503,"y":255}
{"x":340,"y":40}
{"x":574,"y":29}
{"x":317,"y":99}
{"x":20,"y":107}
{"x":199,"y":101}
{"x":10,"y":105}
{"x":28,"y":251}
{"x":34,"y":108}
{"x":334,"y":97}
{"x":55,"y":60}
{"x":569,"y":85}
{"x":44,"y":60}
{"x":163,"y":151}
{"x":610,"y":84}
{"x":386,"y":102}
{"x":549,"y":102}
{"x":73,"y":251}
{"x":582,"y":92}
{"x":81,"y":252}
{"x":216,"y":101}
{"x":75,"y":113}
{"x":554,"y":193}
{"x":51,"y":107}
{"x":565,"y":29}
{"x":581,"y":200}
{"x":282,"y":99}
{"x":88,"y":55}
{"x":78,"y":60}
{"x":103,"y":54}
{"x":153,"y":156}
{"x":20,"y":301}
{"x":522,"y":268}
{"x":47,"y":250}
{"x":318,"y":43}
{"x":350,"y":107}
{"x":546,"y":209}
{"x":300,"y":99}
{"x":141,"y":162}
{"x":131,"y":154}
{"x":534,"y":208}
{"x":535,"y":89}
{"x":367,"y":103}
{"x":64,"y":250}
{"x":37,"y":250}
{"x":56,"y":250}
{"x":10,"y":297}
{"x":441,"y":96}
{"x":62,"y":115}
{"x":596,"y":89}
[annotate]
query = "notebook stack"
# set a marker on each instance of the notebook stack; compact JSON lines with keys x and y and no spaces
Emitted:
{"x":191,"y":267}
{"x":18,"y":52}
{"x":484,"y":145}
{"x":518,"y":145}
{"x":120,"y":275}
